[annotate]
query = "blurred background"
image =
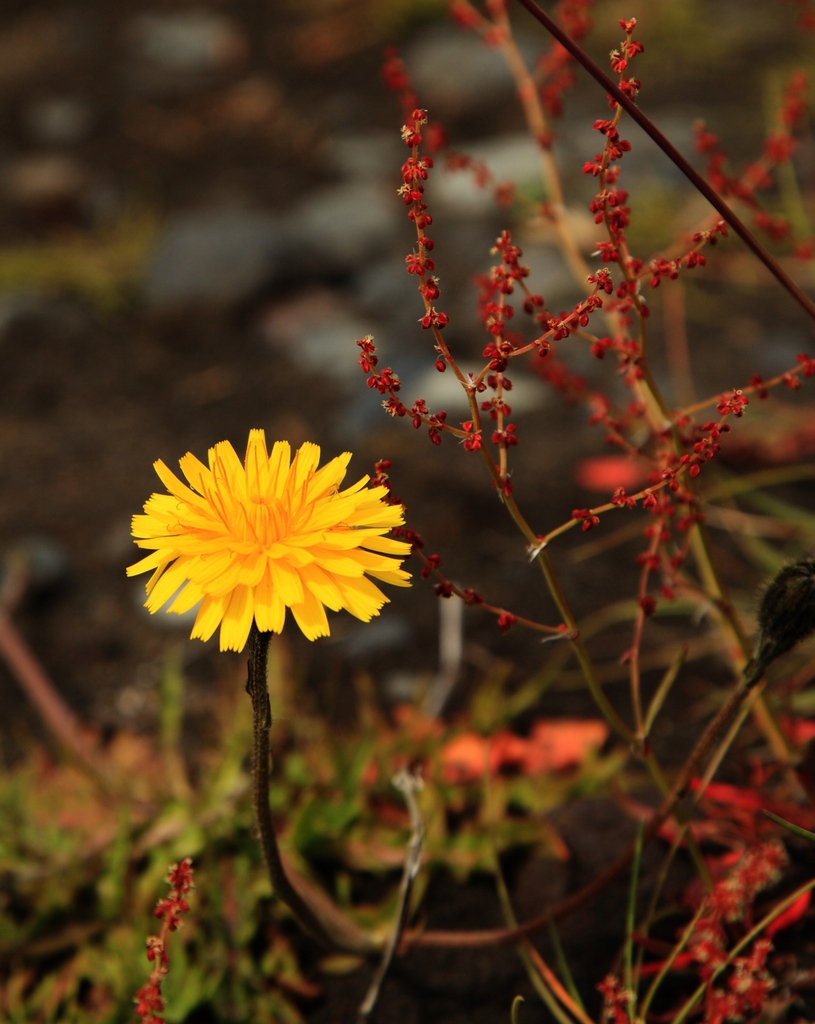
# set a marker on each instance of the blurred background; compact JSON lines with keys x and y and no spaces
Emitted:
{"x":198,"y":218}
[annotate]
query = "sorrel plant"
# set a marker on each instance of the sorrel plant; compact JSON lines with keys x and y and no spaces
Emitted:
{"x":726,"y":946}
{"x":678,"y":562}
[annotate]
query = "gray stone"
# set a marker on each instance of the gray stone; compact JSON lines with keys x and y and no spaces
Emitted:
{"x":217,"y":256}
{"x":387,"y":632}
{"x":455,"y":71}
{"x":340,"y":226}
{"x":443,"y":391}
{"x":385,"y":288}
{"x":37,"y":565}
{"x":187,"y":42}
{"x":317,"y":329}
{"x":68,"y":317}
{"x":42,"y":180}
{"x":513,"y":158}
{"x":57,"y":120}
{"x":368,"y":155}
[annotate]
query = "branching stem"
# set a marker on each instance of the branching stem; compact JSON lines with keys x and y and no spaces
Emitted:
{"x":673,"y":154}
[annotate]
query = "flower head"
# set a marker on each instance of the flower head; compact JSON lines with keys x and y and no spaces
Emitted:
{"x":249,"y":540}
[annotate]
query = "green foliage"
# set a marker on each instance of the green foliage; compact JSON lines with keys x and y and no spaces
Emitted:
{"x":102,"y":267}
{"x":86,"y":869}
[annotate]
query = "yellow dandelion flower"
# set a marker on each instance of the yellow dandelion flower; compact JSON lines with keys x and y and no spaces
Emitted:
{"x":250,"y":540}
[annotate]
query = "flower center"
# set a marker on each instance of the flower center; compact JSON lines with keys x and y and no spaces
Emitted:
{"x":268,"y":520}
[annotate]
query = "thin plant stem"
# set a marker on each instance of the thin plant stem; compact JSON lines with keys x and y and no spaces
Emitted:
{"x":327,"y":934}
{"x":529,"y":98}
{"x":669,"y":962}
{"x":650,"y":392}
{"x":654,"y":399}
{"x":630,"y":921}
{"x":582,"y":655}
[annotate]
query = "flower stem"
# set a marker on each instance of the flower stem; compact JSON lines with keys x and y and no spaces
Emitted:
{"x":342,"y":935}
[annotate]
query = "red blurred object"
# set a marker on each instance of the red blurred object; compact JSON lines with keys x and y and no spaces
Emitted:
{"x":605,"y":473}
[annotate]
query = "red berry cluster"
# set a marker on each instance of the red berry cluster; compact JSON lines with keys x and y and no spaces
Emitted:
{"x":748,"y":983}
{"x":170,"y":911}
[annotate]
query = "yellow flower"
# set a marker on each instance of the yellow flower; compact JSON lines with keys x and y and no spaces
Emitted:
{"x":250,"y":540}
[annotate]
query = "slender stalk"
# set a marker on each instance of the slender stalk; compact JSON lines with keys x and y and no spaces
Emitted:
{"x":556,"y":591}
{"x":654,"y":400}
{"x":528,"y":96}
{"x":326,"y":933}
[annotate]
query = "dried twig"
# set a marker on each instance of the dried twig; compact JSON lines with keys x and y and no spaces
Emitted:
{"x":40,"y":690}
{"x":409,"y":785}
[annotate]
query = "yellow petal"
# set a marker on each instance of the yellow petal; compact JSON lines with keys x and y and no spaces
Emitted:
{"x":172,"y":580}
{"x":257,"y":465}
{"x":196,"y":472}
{"x":323,"y":586}
{"x":311,"y":618}
{"x":146,"y":564}
{"x":305,"y":462}
{"x":286,"y":582}
{"x":279,"y":462}
{"x":237,"y":620}
{"x":326,"y":480}
{"x":209,"y":617}
{"x":187,"y":598}
{"x":270,"y":609}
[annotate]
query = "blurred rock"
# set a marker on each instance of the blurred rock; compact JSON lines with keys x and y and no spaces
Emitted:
{"x":381,"y":635}
{"x":384,"y":284}
{"x":510,"y":158}
{"x":336,"y":228}
{"x":456,"y":72}
{"x":183,"y":49}
{"x":188,"y":41}
{"x":59,"y":316}
{"x":368,"y":155}
{"x":213,"y":256}
{"x":57,"y":120}
{"x":443,"y":391}
{"x":44,"y":181}
{"x":252,"y":103}
{"x":316,"y":330}
{"x":37,"y":566}
{"x":38,"y":42}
